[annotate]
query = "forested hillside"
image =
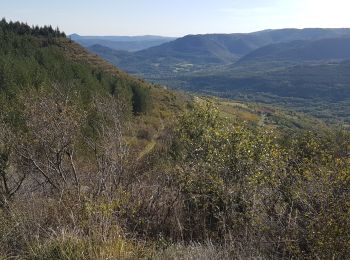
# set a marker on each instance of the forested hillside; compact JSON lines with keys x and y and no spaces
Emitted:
{"x":96,"y":164}
{"x":297,"y":51}
{"x":318,"y":89}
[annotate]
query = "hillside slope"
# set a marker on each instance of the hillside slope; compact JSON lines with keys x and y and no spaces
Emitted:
{"x":301,"y":51}
{"x":45,"y":63}
{"x":321,"y":90}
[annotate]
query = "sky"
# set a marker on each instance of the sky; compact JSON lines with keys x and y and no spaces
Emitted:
{"x":177,"y":17}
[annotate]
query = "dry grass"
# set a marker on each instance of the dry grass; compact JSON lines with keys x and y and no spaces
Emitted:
{"x":208,"y":251}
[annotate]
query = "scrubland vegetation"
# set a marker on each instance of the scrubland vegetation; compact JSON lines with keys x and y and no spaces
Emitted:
{"x":77,"y":183}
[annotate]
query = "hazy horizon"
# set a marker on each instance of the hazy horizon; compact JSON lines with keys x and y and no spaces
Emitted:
{"x":177,"y":18}
{"x":169,"y":36}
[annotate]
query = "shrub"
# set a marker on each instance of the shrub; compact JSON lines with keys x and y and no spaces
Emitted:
{"x":141,"y":99}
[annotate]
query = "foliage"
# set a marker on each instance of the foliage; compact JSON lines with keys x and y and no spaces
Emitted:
{"x":24,"y":29}
{"x":30,"y":63}
{"x":236,"y":178}
{"x":140,"y":100}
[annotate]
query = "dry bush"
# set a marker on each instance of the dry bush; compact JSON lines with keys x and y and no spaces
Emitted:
{"x":111,"y":153}
{"x":47,"y":150}
{"x":74,"y":181}
{"x":205,"y":180}
{"x":11,"y":179}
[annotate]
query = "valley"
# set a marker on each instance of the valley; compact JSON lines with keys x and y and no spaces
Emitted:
{"x":303,"y":70}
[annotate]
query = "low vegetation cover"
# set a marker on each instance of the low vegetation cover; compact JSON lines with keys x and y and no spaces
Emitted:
{"x":75,"y":185}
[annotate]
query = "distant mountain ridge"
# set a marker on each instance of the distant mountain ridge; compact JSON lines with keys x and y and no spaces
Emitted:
{"x":200,"y":51}
{"x":127,"y":43}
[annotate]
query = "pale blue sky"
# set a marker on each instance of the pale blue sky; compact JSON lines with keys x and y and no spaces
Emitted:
{"x":177,"y":17}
